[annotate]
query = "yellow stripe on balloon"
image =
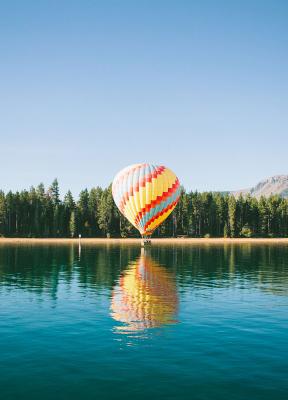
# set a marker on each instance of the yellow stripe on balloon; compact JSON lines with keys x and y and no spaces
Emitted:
{"x":151,"y":227}
{"x":148,"y":193}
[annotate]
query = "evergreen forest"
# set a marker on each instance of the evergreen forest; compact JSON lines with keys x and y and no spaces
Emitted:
{"x":40,"y":212}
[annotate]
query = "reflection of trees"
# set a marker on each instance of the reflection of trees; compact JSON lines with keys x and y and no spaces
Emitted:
{"x":100,"y":266}
{"x":260,"y":266}
{"x":145,"y":297}
{"x":35,"y":269}
{"x":41,"y":268}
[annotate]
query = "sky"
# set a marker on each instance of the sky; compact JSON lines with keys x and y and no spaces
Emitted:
{"x":89,"y":87}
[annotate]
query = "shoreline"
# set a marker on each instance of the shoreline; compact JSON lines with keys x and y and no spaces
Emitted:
{"x":166,"y":241}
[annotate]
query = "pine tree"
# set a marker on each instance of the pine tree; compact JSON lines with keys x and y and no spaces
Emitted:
{"x":83,"y":212}
{"x":226,"y":233}
{"x":73,"y":224}
{"x":2,"y":214}
{"x":93,"y":209}
{"x":108,"y":219}
{"x":53,"y":191}
{"x":69,"y":201}
{"x":232,"y":216}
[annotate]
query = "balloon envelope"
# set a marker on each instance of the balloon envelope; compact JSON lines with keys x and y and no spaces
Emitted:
{"x":146,"y":194}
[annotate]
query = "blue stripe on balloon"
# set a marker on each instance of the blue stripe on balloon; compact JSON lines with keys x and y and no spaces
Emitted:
{"x":160,"y":207}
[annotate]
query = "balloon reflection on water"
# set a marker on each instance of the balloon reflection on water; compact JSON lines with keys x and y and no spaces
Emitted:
{"x":145,"y":297}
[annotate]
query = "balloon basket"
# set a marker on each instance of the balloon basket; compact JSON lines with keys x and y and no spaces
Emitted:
{"x":146,"y":242}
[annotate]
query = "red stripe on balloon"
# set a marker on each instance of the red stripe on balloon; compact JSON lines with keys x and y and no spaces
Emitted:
{"x":133,"y":189}
{"x":171,"y":206}
{"x":157,"y":201}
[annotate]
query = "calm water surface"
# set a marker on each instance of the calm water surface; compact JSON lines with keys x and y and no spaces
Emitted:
{"x":110,"y":322}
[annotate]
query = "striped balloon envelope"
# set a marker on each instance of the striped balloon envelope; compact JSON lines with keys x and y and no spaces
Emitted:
{"x":146,"y":194}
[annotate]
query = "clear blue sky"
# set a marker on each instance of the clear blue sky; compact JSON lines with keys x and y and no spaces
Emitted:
{"x":88,"y":87}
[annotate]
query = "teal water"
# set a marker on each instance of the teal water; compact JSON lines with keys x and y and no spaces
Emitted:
{"x":108,"y":322}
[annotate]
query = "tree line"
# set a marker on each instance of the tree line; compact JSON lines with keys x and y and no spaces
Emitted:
{"x":40,"y":212}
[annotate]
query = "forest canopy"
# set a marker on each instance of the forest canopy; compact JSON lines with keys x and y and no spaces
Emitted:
{"x":40,"y":212}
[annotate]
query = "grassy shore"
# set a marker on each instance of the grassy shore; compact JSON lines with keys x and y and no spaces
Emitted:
{"x":166,"y":241}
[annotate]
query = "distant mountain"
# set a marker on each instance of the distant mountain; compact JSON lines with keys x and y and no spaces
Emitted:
{"x":275,"y":185}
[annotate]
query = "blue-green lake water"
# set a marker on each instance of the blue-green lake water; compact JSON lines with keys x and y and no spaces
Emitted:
{"x":110,"y":322}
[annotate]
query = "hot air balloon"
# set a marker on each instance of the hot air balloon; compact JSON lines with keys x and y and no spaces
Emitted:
{"x":146,"y":194}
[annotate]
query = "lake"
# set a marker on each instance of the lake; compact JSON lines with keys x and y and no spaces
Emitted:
{"x":115,"y":322}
